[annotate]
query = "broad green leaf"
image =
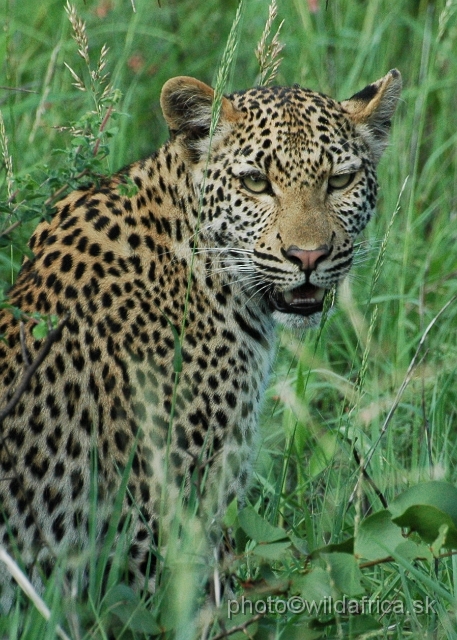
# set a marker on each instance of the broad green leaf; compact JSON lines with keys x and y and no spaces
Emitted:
{"x":120,"y":593}
{"x":440,"y":541}
{"x":286,"y":629}
{"x":125,"y":605}
{"x":40,"y":330}
{"x":239,"y":617}
{"x":136,"y":618}
{"x":300,"y":544}
{"x":313,"y":587}
{"x":276,"y":583}
{"x":377,"y":537}
{"x":429,"y":521}
{"x":257,"y":528}
{"x":438,"y":494}
{"x":410,"y":550}
{"x":344,"y":572}
{"x":427,"y":508}
{"x":347,"y":546}
{"x":360,"y":624}
{"x":272,"y":551}
{"x":231,"y":513}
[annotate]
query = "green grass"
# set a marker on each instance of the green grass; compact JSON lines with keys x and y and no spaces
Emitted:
{"x":331,"y":391}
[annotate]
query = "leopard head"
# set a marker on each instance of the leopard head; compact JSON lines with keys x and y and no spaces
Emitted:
{"x":286,"y":180}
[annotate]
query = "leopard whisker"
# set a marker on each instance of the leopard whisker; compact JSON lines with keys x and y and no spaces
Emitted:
{"x":221,"y":250}
{"x":259,"y":290}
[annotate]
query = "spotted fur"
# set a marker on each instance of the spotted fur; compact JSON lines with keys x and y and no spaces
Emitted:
{"x":222,"y":239}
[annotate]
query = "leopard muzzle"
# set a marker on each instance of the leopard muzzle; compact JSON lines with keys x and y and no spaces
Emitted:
{"x":305,"y":300}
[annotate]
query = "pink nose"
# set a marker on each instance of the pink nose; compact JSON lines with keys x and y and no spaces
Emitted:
{"x":307,"y":258}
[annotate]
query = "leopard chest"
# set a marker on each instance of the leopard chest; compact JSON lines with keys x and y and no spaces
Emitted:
{"x":198,"y":403}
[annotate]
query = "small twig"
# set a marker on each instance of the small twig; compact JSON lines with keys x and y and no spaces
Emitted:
{"x":426,"y":422}
{"x":29,"y":590}
{"x":59,"y":192}
{"x":432,"y":286}
{"x":25,"y":355}
{"x":369,"y":479}
{"x":18,"y":89}
{"x":373,"y":563}
{"x":239,"y":627}
{"x":102,"y":127}
{"x":52,"y":336}
{"x":12,"y":196}
{"x":10,"y":228}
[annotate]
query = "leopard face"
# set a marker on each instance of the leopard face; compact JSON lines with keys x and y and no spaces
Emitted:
{"x":244,"y":218}
{"x":301,"y":173}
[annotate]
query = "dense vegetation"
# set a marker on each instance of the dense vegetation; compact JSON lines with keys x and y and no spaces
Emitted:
{"x":361,"y":414}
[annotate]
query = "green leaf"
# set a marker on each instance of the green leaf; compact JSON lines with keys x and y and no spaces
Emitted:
{"x":177,"y":356}
{"x":238,"y":619}
{"x":377,"y":537}
{"x":125,"y":605}
{"x":313,"y":587}
{"x":272,"y":551}
{"x":410,"y":550}
{"x":257,"y":528}
{"x":440,"y":541}
{"x":347,"y":546}
{"x":40,"y":330}
{"x":16,"y":313}
{"x":430,"y":509}
{"x":136,"y":619}
{"x":231,"y":513}
{"x":360,"y":624}
{"x":430,"y":523}
{"x":276,"y":584}
{"x":120,"y":593}
{"x":441,"y":495}
{"x":344,"y":572}
{"x":300,"y":544}
{"x":285,"y":629}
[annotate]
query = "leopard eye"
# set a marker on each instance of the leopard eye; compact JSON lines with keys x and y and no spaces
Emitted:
{"x":255,"y":183}
{"x":340,"y":181}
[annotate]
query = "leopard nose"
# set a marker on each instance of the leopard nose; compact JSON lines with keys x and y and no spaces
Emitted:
{"x":307,"y":259}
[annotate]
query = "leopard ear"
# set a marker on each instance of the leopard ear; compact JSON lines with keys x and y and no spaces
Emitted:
{"x":187,"y":107}
{"x":372,"y":109}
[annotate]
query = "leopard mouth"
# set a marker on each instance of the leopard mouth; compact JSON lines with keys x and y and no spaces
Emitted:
{"x":304,"y":300}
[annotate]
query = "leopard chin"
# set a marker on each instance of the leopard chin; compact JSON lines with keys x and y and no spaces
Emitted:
{"x":298,"y":308}
{"x":296,"y":321}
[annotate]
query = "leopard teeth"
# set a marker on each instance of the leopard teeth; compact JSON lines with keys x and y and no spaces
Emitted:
{"x":318,"y":297}
{"x":305,"y":301}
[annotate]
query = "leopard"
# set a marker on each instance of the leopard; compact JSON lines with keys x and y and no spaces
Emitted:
{"x":166,"y":283}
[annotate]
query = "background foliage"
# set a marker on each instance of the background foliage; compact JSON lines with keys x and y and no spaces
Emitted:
{"x":349,"y":395}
